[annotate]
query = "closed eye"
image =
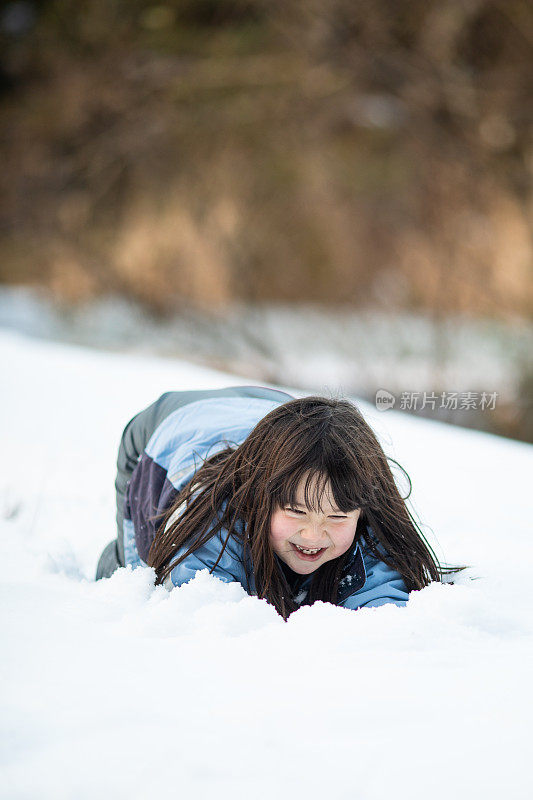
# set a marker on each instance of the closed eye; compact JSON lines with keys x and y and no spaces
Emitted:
{"x":330,"y":516}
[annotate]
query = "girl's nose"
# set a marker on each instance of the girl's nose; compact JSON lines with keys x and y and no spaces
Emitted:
{"x":312,"y":532}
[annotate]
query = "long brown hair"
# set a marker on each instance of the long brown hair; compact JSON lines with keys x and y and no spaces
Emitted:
{"x":236,"y":491}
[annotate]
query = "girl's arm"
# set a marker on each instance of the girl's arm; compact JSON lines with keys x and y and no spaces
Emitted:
{"x":229,"y":569}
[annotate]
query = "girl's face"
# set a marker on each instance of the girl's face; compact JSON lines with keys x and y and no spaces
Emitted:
{"x":305,"y":539}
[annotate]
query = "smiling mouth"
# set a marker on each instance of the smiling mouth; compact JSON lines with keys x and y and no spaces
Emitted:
{"x":308,"y":551}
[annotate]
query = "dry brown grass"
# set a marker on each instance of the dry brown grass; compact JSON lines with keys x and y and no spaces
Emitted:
{"x":334,"y":152}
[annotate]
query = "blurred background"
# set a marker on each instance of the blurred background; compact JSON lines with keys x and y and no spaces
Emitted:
{"x":330,"y":194}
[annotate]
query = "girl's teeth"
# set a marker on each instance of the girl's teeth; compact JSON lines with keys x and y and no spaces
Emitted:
{"x":308,"y":552}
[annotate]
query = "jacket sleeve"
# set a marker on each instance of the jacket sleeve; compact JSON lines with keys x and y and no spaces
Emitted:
{"x":382,"y":585}
{"x":229,"y":569}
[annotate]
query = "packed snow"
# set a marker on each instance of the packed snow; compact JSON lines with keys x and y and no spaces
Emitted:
{"x":119,"y":689}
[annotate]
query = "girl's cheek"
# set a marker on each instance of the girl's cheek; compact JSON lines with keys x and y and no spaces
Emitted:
{"x":345,"y":536}
{"x":280,"y":528}
{"x":285,"y":529}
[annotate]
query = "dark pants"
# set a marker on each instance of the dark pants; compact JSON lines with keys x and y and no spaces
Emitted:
{"x":108,"y":561}
{"x":136,"y":436}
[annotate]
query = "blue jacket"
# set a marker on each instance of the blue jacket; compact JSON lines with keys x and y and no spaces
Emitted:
{"x":174,"y":452}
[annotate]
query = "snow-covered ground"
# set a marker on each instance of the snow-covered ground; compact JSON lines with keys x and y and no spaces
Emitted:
{"x":118,"y":689}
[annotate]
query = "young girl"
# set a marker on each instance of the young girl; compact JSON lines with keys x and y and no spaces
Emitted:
{"x":292,"y":498}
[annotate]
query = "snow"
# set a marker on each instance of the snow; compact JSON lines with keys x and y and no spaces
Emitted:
{"x":122,"y":690}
